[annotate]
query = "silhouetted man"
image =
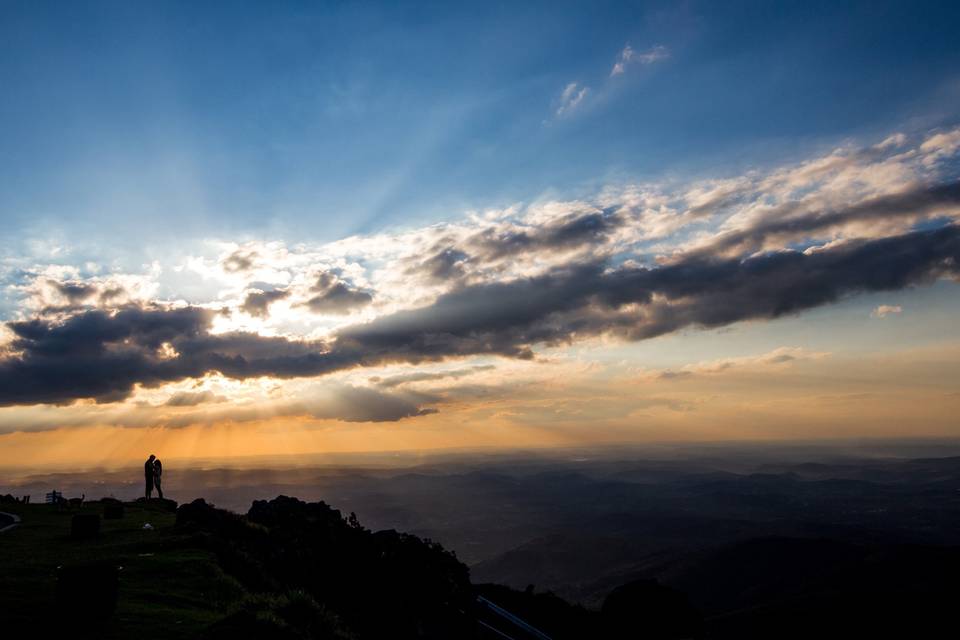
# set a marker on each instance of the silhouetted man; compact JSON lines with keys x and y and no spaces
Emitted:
{"x":157,"y":472}
{"x":148,"y":475}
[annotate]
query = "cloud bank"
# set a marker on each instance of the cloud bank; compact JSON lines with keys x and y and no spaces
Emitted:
{"x":632,"y":263}
{"x":102,"y":355}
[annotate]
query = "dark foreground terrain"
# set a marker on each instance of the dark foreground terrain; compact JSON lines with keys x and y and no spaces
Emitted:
{"x":717,"y":545}
{"x":290,"y":569}
{"x":286,"y":570}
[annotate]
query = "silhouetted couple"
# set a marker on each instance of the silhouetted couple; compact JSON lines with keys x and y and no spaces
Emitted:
{"x":152,"y":470}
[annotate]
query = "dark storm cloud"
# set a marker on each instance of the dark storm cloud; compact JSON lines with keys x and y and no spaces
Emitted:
{"x":257,"y":303}
{"x":333,"y":296}
{"x":920,"y":201}
{"x":100,"y":355}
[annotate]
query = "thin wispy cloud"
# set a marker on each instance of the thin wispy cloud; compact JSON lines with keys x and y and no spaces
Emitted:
{"x":575,"y":94}
{"x":629,"y":56}
{"x":885,"y":309}
{"x":778,"y":357}
{"x":571,"y":98}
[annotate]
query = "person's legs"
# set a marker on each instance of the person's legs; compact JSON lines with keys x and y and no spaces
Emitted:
{"x":156,"y":483}
{"x":149,"y":490}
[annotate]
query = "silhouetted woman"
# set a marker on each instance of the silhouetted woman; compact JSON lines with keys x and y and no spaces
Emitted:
{"x":157,"y":472}
{"x":148,"y":475}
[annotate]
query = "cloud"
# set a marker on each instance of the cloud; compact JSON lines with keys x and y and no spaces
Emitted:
{"x":333,"y":401}
{"x":781,"y":227}
{"x":571,"y":98}
{"x":74,"y":292}
{"x":239,"y":261}
{"x":336,"y":297}
{"x":892,"y":141}
{"x":575,"y":94}
{"x":424,"y":376}
{"x":628,"y":56}
{"x":257,"y":303}
{"x":447,"y":263}
{"x":360,"y":404}
{"x":630,"y":263}
{"x":847,"y":194}
{"x":944,"y":144}
{"x":885,"y":309}
{"x":777,"y":357}
{"x":562,"y":234}
{"x":670,"y":374}
{"x":112,"y":294}
{"x":584,"y":228}
{"x":192,"y":399}
{"x":102,"y":356}
{"x":639,"y":303}
{"x":326,"y":401}
{"x":51,"y":296}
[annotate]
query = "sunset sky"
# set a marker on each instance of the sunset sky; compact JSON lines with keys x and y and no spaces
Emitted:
{"x":264,"y":228}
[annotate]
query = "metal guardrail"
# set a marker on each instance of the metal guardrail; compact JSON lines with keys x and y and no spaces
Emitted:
{"x":514,"y":620}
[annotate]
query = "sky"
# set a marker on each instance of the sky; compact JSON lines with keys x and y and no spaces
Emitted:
{"x":232,"y":229}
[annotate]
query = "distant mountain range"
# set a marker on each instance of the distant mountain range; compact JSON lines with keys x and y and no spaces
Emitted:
{"x":751,"y":541}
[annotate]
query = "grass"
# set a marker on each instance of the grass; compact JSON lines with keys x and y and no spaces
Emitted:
{"x":167,"y":589}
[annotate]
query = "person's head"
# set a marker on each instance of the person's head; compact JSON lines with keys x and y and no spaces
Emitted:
{"x":152,"y":457}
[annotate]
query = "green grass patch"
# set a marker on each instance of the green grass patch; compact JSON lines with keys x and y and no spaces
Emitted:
{"x":168,"y":589}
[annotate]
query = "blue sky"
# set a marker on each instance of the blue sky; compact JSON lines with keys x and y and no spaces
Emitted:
{"x":315,"y":121}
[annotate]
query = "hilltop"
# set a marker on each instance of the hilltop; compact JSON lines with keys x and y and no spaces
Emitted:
{"x":286,"y":569}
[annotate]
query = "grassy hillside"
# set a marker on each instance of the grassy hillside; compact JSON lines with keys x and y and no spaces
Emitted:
{"x":287,"y":570}
{"x":168,"y":588}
